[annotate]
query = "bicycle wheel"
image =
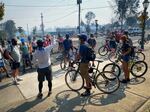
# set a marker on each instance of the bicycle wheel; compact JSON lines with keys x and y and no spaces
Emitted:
{"x":74,"y":80}
{"x":102,"y":51}
{"x":112,"y":56}
{"x":139,"y":56}
{"x":139,"y":68}
{"x":106,"y":85}
{"x":112,"y":67}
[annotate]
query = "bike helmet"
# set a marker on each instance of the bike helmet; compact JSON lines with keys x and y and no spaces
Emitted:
{"x":67,"y":36}
{"x":82,"y":37}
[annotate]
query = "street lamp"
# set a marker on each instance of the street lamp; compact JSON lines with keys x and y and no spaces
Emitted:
{"x":145,"y":5}
{"x":96,"y":24}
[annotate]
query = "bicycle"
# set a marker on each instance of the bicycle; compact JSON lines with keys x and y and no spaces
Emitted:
{"x":137,"y":53}
{"x":75,"y":81}
{"x":135,"y":67}
{"x":103,"y":50}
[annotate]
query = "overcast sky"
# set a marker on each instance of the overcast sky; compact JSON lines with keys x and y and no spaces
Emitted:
{"x":57,"y":13}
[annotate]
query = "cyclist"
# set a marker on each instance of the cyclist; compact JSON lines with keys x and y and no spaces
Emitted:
{"x":126,"y":49}
{"x":60,"y":40}
{"x":92,"y":42}
{"x":67,"y":46}
{"x":82,"y":55}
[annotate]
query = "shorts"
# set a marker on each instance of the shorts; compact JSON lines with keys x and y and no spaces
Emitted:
{"x":2,"y":63}
{"x":44,"y":73}
{"x":84,"y":68}
{"x":15,"y":65}
{"x":66,"y":53}
{"x":125,"y":58}
{"x":26,"y":56}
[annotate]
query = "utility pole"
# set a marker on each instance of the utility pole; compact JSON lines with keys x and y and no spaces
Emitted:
{"x":79,"y":2}
{"x":42,"y":25}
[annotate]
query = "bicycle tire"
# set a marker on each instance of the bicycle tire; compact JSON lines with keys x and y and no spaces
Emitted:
{"x":137,"y":67}
{"x":73,"y":82}
{"x":112,"y":67}
{"x":139,"y":56}
{"x":112,"y":57}
{"x":103,"y":83}
{"x":102,"y":51}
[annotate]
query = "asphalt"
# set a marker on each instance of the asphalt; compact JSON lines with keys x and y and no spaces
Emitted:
{"x":133,"y":97}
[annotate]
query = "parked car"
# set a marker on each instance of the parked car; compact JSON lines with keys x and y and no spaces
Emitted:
{"x":134,"y":31}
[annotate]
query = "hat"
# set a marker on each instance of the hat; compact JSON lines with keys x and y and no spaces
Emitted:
{"x":83,"y":37}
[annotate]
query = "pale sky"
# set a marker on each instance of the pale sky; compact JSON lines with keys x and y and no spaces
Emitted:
{"x":57,"y":13}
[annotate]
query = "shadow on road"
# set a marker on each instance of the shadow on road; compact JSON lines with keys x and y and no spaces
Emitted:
{"x":3,"y":86}
{"x":101,"y":99}
{"x":135,"y":81}
{"x":26,"y":106}
{"x":69,"y":101}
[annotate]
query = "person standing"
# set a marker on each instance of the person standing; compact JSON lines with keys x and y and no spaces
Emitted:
{"x":44,"y":70}
{"x":25,"y":56}
{"x":125,"y":56}
{"x":84,"y":64}
{"x":15,"y":58}
{"x":67,"y":46}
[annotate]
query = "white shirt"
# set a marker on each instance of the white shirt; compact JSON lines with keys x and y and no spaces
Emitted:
{"x":43,"y":57}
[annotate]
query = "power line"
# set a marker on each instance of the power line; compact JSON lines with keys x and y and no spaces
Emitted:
{"x":60,"y":18}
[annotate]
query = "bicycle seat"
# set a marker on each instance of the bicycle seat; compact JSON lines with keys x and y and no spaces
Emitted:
{"x":99,"y":61}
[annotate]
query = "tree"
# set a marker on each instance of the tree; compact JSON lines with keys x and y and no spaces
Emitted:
{"x":1,"y":10}
{"x":125,"y":8}
{"x":10,"y":28}
{"x":89,"y":16}
{"x":3,"y":37}
{"x":131,"y":21}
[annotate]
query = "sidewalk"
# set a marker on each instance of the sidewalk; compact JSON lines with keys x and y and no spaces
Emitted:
{"x":135,"y":97}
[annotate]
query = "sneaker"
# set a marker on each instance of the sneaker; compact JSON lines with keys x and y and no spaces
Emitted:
{"x":19,"y":79}
{"x":15,"y":82}
{"x":49,"y":93}
{"x":125,"y":81}
{"x":86,"y":93}
{"x":40,"y":95}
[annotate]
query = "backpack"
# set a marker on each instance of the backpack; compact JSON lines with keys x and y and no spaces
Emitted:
{"x":90,"y":54}
{"x":6,"y":53}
